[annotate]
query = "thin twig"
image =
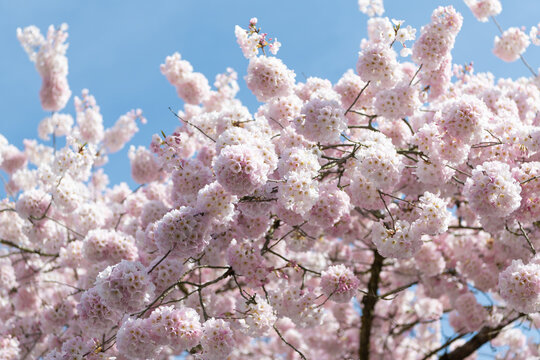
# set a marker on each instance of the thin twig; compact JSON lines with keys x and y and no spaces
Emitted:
{"x":293,"y":262}
{"x":277,"y":122}
{"x":400,"y":199}
{"x":65,"y":226}
{"x":457,"y":180}
{"x":531,"y":179}
{"x":459,"y":171}
{"x":395,"y":291}
{"x":289,"y":344}
{"x":188,"y":123}
{"x":533,"y":250}
{"x":416,"y":73}
{"x":520,"y":56}
{"x":159,"y":262}
{"x":357,"y":97}
{"x":387,"y":210}
{"x":465,"y":227}
{"x":444,"y":346}
{"x":205,"y":314}
{"x":295,"y":228}
{"x":408,"y":125}
{"x":25,"y":249}
{"x":61,"y":283}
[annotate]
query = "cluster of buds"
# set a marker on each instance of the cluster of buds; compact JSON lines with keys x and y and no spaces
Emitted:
{"x":253,"y":39}
{"x":263,"y":41}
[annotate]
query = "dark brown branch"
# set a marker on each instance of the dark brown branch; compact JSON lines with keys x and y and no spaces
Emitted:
{"x":368,"y":306}
{"x":160,"y":261}
{"x":368,"y":126}
{"x":205,"y":314}
{"x":483,"y":336}
{"x":256,"y":199}
{"x":528,"y":180}
{"x":397,"y":290}
{"x":466,"y":227}
{"x":408,"y":125}
{"x":457,"y":180}
{"x":444,"y":346}
{"x":25,"y":249}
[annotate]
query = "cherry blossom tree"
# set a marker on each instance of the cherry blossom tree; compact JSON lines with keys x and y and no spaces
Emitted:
{"x":394,"y":214}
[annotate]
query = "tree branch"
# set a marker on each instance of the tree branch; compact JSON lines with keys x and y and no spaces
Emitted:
{"x":368,"y":306}
{"x":289,"y":344}
{"x":357,"y":97}
{"x":25,"y":249}
{"x":483,"y":336}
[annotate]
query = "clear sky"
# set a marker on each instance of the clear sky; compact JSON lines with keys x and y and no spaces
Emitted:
{"x":116,"y":48}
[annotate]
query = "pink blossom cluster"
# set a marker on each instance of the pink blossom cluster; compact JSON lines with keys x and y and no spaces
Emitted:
{"x":483,"y":9}
{"x":351,"y":220}
{"x":49,"y":54}
{"x":339,"y":283}
{"x":253,"y":39}
{"x":520,"y":285}
{"x":512,"y":43}
{"x":166,"y":329}
{"x":191,"y":86}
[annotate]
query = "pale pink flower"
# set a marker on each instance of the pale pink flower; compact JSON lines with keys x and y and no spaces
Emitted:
{"x":512,"y":43}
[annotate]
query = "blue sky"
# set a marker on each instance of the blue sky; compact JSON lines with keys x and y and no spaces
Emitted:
{"x":116,"y":49}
